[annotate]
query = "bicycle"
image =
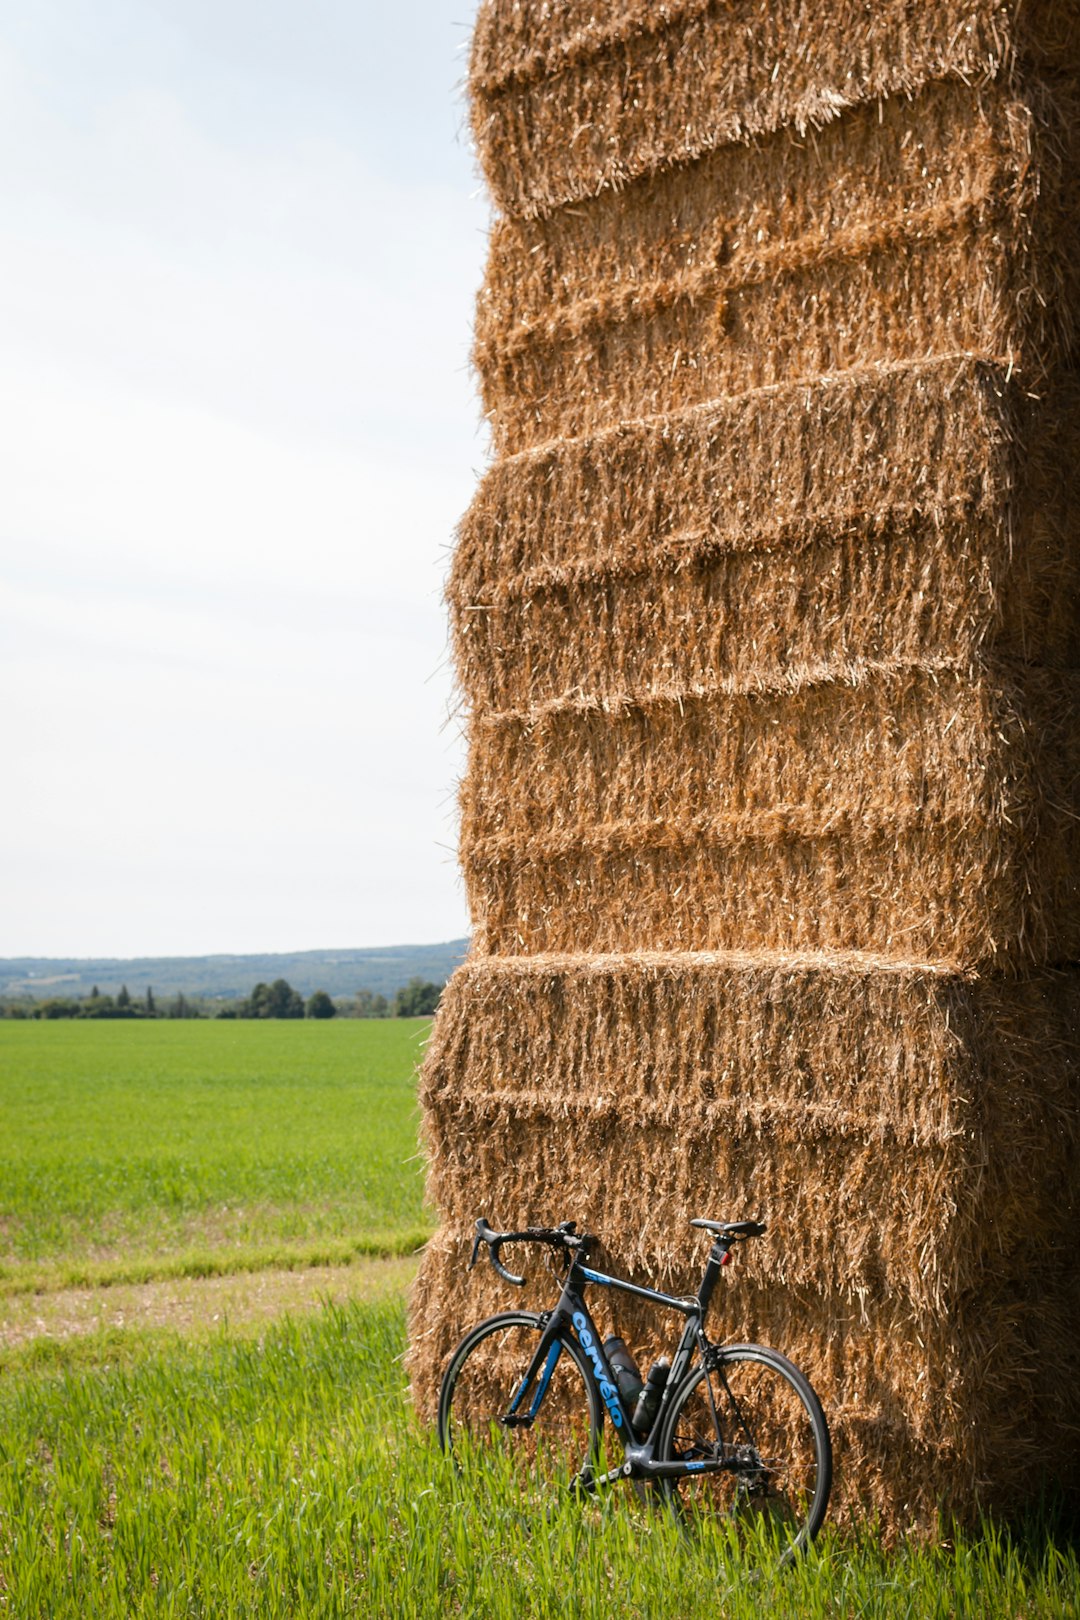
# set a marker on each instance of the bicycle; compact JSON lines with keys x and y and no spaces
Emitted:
{"x":733,"y":1431}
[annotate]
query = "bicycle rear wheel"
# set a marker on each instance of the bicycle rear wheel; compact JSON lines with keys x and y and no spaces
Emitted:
{"x":548,"y":1442}
{"x":755,"y":1411}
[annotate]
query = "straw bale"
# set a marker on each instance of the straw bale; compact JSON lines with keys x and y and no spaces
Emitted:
{"x":938,"y":297}
{"x":911,"y":745}
{"x":929,"y":812}
{"x":807,"y":1089}
{"x":911,"y":1136}
{"x":946,"y":225}
{"x":571,"y":100}
{"x":894,"y":512}
{"x":933,"y":1413}
{"x":905,"y":593}
{"x":715,"y":730}
{"x":879,"y":172}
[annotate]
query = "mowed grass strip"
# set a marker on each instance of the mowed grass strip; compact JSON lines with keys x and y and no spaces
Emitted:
{"x":285,"y":1476}
{"x":38,"y":1326}
{"x":130,"y":1151}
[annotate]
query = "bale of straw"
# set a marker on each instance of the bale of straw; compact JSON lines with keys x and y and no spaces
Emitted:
{"x":901,"y":595}
{"x":933,"y":813}
{"x":890,"y":175}
{"x":944,"y":294}
{"x":812,"y":1089}
{"x":571,"y":100}
{"x":899,"y":746}
{"x":881,"y":308}
{"x":897,"y":514}
{"x":940,"y":1330}
{"x":714,"y":732}
{"x":947,"y":226}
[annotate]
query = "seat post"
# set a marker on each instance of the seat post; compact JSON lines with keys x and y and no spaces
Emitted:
{"x":717,"y":1258}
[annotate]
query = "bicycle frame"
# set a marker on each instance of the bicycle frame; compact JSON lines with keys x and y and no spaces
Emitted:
{"x":571,"y":1316}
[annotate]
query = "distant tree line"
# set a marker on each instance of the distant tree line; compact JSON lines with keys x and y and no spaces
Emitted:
{"x":417,"y":999}
{"x":95,"y":1005}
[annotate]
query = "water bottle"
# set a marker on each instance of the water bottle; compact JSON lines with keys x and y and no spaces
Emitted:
{"x":625,"y":1369}
{"x":649,"y":1400}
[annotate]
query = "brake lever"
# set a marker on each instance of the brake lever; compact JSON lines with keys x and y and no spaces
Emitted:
{"x":484,"y":1234}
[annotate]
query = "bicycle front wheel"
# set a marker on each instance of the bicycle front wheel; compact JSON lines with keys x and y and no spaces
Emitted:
{"x":755,"y":1412}
{"x":531,"y":1442}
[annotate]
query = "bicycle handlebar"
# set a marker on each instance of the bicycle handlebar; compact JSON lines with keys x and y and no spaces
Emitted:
{"x":569,"y":1240}
{"x":565,"y":1237}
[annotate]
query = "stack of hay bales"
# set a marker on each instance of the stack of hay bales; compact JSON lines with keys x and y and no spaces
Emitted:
{"x":767,"y":616}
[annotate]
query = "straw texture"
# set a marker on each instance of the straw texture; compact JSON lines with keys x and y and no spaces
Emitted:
{"x":570,"y":100}
{"x":929,"y":812}
{"x":802,"y":1085}
{"x":780,"y":671}
{"x":893,"y":513}
{"x":946,"y":225}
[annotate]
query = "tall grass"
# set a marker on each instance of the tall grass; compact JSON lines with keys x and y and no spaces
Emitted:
{"x":287,"y":1478}
{"x":132,"y":1149}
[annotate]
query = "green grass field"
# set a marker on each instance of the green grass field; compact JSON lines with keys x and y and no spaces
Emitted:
{"x":285,"y":1478}
{"x":199,"y":1453}
{"x":134,"y":1150}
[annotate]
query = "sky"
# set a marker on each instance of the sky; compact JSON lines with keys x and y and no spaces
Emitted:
{"x":239,"y":246}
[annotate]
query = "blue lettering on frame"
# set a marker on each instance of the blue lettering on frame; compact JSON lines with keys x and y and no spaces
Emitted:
{"x":611,"y":1398}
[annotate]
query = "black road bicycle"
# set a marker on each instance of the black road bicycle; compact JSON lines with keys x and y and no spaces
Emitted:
{"x":731,"y":1432}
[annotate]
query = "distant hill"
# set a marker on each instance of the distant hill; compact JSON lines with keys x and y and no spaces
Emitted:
{"x":381,"y":969}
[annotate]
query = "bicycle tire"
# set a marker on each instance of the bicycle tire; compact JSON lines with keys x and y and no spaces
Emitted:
{"x":560,"y":1446}
{"x":769,"y":1423}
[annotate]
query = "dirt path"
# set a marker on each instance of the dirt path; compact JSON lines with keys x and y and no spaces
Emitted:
{"x":195,"y":1306}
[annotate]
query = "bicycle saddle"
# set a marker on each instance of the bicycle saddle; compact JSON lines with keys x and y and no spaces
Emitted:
{"x":731,"y":1228}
